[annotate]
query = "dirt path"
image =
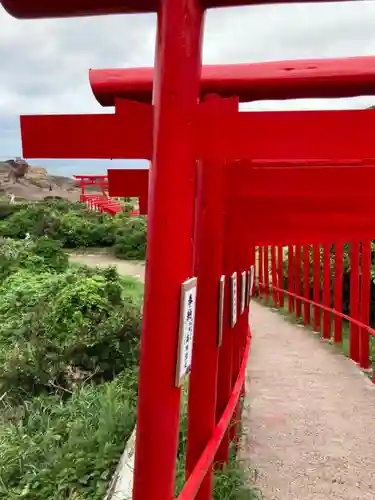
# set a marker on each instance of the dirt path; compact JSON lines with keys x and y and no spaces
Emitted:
{"x":126,"y":268}
{"x":310,"y":416}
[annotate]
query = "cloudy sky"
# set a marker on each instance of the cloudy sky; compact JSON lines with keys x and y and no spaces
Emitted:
{"x":44,"y":64}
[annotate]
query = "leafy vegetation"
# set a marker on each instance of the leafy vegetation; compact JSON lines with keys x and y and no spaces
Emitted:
{"x":74,"y":226}
{"x":230,"y":483}
{"x":69,"y":348}
{"x":69,"y":340}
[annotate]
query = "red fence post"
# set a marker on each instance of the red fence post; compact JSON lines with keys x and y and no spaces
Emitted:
{"x":208,"y":267}
{"x":260,"y":272}
{"x":306,"y":283}
{"x":316,"y":286}
{"x":224,"y":378}
{"x":354,"y":300}
{"x":290,"y":278}
{"x":298,"y":283}
{"x":169,"y":250}
{"x":274,"y":275}
{"x":339,"y":255}
{"x":266,"y":271}
{"x":364,"y":336}
{"x":241,"y":328}
{"x":327,"y":290}
{"x":280,"y":277}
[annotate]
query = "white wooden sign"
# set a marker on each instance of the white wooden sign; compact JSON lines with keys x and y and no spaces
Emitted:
{"x":252,"y":276}
{"x":186,"y":330}
{"x":243,"y":291}
{"x":221,"y":311}
{"x":248,"y":288}
{"x":234,"y":299}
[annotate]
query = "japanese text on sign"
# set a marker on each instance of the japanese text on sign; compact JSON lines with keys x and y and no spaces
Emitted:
{"x":221,"y":311}
{"x":234,"y":299}
{"x":186,"y":331}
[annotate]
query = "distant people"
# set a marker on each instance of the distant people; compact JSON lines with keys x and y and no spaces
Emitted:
{"x":12,"y":199}
{"x":50,"y":187}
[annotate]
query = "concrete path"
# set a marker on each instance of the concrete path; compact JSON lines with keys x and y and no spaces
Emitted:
{"x":309,"y":416}
{"x":126,"y":268}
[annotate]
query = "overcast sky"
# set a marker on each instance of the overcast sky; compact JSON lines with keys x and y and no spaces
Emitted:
{"x":44,"y":64}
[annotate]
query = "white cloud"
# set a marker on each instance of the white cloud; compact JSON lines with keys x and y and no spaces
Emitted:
{"x":45,"y":63}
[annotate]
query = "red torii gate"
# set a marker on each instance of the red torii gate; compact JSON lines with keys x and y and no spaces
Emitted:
{"x":89,"y":180}
{"x":175,"y":117}
{"x":345,"y":77}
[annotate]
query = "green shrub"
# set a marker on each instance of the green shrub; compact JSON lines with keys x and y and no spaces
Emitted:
{"x":131,"y":239}
{"x":53,"y":447}
{"x":75,"y":226}
{"x":69,"y":340}
{"x":59,"y":329}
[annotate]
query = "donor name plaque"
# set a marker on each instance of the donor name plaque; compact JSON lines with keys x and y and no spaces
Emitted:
{"x":186,"y":329}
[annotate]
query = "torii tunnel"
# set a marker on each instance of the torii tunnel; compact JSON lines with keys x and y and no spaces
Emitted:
{"x":237,"y":154}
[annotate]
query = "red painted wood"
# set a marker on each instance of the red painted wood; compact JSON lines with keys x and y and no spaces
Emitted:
{"x":224,"y":381}
{"x":364,"y":313}
{"x":306,"y":283}
{"x":205,"y":461}
{"x":290,"y":278}
{"x":240,"y":263}
{"x":274,"y":275}
{"x":90,"y":136}
{"x":266,"y":271}
{"x":346,"y":77}
{"x":316,"y":286}
{"x":338,"y":291}
{"x":208,"y":247}
{"x":280,"y":272}
{"x":298,"y":282}
{"x":327,"y":290}
{"x":25,"y":9}
{"x":354,"y":300}
{"x":208,"y":269}
{"x":130,"y":182}
{"x":169,"y":248}
{"x":295,"y":134}
{"x":260,"y":271}
{"x":308,"y":209}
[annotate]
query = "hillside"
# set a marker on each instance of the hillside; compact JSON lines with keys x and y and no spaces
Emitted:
{"x":35,"y":186}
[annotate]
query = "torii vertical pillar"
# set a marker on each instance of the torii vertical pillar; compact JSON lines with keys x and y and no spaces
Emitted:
{"x":169,"y":251}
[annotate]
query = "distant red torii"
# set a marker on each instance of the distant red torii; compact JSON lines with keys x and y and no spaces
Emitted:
{"x":346,"y":77}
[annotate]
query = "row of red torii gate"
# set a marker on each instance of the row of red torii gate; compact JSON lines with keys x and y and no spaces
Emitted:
{"x":220,"y":184}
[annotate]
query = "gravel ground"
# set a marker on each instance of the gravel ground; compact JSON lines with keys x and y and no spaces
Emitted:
{"x":309,"y":416}
{"x":126,"y":268}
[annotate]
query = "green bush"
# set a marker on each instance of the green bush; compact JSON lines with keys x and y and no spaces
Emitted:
{"x":131,"y":239}
{"x":75,"y":227}
{"x":69,"y":341}
{"x":66,"y":448}
{"x":40,"y":255}
{"x":59,"y":329}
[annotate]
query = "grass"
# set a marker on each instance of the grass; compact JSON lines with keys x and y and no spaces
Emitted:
{"x":231,"y":483}
{"x":66,"y":448}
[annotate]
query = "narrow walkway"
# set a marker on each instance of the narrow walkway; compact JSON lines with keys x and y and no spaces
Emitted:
{"x":309,"y":416}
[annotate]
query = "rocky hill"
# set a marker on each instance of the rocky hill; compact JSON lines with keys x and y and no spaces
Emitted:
{"x":36,"y":184}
